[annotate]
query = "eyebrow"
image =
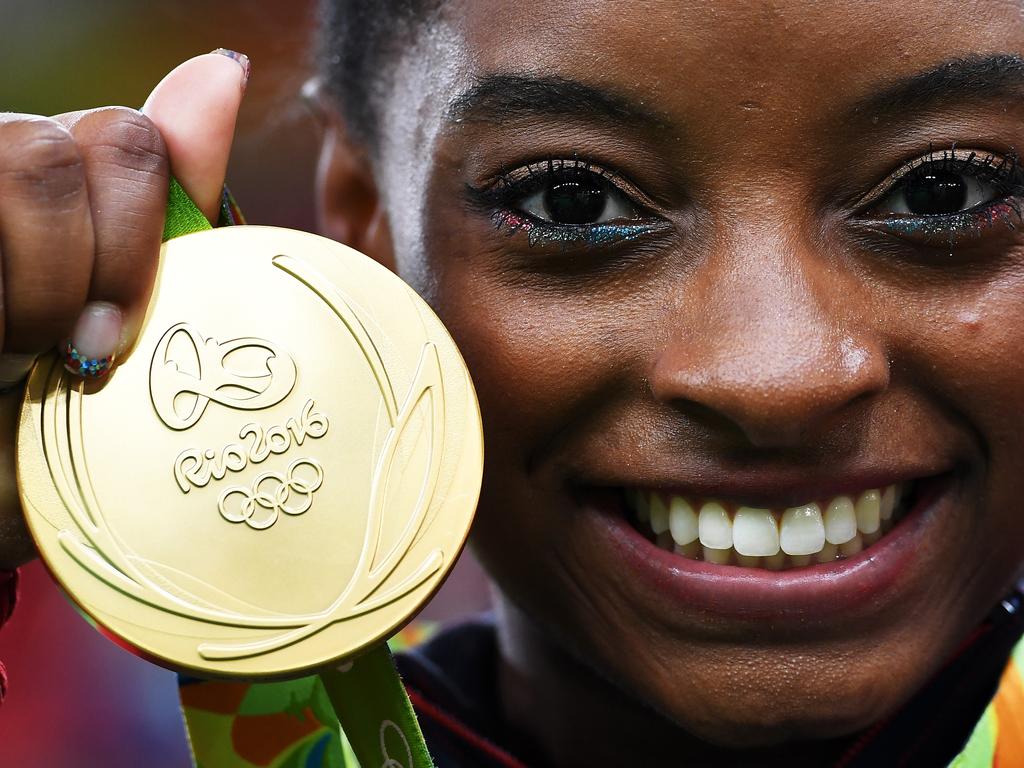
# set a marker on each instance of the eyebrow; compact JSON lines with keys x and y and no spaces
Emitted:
{"x":504,"y":97}
{"x":500,"y":98}
{"x":970,"y":78}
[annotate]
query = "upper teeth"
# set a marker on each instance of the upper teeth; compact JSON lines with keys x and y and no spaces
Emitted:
{"x":802,"y":530}
{"x":808,"y":529}
{"x":755,"y":532}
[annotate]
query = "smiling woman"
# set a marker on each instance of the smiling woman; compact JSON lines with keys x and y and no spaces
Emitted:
{"x":741,"y":287}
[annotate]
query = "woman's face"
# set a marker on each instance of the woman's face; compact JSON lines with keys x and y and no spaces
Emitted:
{"x":757,"y":253}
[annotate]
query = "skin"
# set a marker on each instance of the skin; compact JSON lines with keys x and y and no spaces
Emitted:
{"x":82,"y":199}
{"x":765,"y":332}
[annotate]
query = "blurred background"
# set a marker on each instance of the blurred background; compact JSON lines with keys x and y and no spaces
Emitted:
{"x":75,"y":699}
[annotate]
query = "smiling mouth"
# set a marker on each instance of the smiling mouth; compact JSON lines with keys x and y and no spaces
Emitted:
{"x":723,"y":533}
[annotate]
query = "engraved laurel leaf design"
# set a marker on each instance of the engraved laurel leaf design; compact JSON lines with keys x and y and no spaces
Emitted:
{"x":355,"y":599}
{"x":98,"y":549}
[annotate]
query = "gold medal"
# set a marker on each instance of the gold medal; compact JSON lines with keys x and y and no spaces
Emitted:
{"x":278,"y":476}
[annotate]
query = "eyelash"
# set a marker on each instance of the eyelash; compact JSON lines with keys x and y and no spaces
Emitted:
{"x":499,"y":198}
{"x":1005,"y":174}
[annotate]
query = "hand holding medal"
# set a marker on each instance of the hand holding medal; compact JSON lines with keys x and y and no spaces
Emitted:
{"x":297,"y":462}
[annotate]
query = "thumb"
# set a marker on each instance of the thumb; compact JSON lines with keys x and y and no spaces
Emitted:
{"x":195,"y":108}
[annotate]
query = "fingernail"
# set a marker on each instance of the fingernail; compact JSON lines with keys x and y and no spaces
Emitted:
{"x":90,"y":350}
{"x":243,"y":62}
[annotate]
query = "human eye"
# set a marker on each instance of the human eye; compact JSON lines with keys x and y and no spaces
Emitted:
{"x":567,"y":201}
{"x":945,"y":196}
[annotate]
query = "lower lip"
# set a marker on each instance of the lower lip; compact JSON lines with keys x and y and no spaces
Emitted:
{"x":876,"y":576}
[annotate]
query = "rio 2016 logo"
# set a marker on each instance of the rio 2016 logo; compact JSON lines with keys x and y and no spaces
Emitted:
{"x":189,"y":372}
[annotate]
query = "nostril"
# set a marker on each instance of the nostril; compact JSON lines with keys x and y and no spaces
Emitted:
{"x":709,"y":420}
{"x":772,"y":400}
{"x":783,"y":421}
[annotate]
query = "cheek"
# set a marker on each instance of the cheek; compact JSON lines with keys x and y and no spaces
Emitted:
{"x":535,"y":358}
{"x":967,"y":354}
{"x":979,"y":348}
{"x":539,"y":362}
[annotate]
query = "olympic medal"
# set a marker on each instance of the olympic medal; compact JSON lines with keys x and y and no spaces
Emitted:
{"x":278,"y":475}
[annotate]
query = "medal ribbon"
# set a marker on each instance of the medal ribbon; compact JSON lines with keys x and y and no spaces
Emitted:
{"x":295,"y":723}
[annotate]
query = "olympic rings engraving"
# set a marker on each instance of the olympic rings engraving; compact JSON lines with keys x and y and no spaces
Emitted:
{"x":270,"y":495}
{"x":389,"y":761}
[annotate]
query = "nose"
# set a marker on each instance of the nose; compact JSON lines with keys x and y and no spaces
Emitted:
{"x":778,"y":343}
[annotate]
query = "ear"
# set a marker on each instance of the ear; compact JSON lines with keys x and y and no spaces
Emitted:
{"x":349,"y":207}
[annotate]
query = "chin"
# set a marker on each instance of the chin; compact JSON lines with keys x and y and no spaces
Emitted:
{"x":775,"y":707}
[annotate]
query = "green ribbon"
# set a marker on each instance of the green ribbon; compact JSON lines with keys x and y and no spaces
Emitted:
{"x":369,"y":702}
{"x":375,"y":712}
{"x":183,"y":217}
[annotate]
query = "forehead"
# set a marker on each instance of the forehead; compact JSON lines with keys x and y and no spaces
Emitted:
{"x":666,"y":43}
{"x":771,"y":61}
{"x":746,"y":92}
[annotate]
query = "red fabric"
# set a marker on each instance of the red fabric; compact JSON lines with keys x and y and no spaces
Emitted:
{"x":8,"y":596}
{"x":460,"y":730}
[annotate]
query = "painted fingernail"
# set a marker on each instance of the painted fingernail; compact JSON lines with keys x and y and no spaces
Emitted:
{"x":242,"y":60}
{"x":90,"y":350}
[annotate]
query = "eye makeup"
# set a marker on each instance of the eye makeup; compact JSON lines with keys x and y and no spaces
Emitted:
{"x":1005,"y":214}
{"x":956,"y":194}
{"x":531,"y":200}
{"x":539,"y":232}
{"x":940,"y":198}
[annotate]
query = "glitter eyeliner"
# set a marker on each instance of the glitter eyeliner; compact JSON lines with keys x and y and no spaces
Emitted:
{"x":539,"y":233}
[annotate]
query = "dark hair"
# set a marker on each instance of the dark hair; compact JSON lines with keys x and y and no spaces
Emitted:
{"x":360,"y":40}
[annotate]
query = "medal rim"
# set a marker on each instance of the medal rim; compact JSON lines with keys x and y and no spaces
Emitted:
{"x":32,"y":468}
